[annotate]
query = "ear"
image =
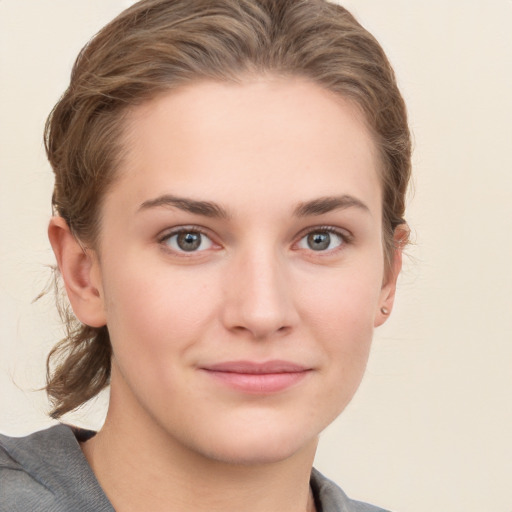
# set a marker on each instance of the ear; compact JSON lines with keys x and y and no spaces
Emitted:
{"x":80,"y":271}
{"x":387,"y":294}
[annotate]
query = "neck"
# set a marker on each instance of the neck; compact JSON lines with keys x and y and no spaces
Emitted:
{"x":141,"y":467}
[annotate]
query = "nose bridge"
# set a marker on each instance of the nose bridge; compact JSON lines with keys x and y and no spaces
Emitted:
{"x":259,"y":295}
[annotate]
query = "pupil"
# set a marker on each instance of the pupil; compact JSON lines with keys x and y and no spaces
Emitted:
{"x":319,"y":241}
{"x":189,"y":241}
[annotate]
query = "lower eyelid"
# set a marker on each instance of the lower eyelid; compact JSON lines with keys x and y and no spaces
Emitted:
{"x":344,"y":236}
{"x":166,"y":236}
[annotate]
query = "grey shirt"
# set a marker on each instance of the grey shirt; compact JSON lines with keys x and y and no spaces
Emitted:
{"x":47,"y":472}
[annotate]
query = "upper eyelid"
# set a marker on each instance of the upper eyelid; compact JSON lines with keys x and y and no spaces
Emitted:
{"x":167,"y":233}
{"x":343,"y":232}
{"x":346,"y":234}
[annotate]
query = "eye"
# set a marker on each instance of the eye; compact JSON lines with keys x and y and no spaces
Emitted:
{"x":321,"y":240}
{"x":187,"y":240}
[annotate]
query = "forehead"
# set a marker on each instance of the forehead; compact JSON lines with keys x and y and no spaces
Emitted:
{"x":265,"y":137}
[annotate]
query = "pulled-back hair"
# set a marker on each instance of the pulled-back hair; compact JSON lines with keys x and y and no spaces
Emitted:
{"x":159,"y":45}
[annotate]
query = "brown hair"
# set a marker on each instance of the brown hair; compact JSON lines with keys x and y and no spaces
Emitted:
{"x":158,"y":45}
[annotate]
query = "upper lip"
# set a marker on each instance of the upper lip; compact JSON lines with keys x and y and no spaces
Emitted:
{"x":251,"y":367}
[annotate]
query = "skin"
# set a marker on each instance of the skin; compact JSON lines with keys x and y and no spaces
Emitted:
{"x":270,"y":154}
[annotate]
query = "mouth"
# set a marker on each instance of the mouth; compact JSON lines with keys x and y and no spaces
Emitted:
{"x":257,"y":378}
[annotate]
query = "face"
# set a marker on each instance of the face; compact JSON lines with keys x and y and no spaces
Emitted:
{"x":240,"y":266}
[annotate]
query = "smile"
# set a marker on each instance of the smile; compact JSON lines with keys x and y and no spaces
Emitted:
{"x":257,"y":378}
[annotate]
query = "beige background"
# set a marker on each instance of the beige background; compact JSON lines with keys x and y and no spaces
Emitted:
{"x":431,"y":427}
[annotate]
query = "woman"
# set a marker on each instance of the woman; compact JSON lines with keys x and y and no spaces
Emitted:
{"x":229,"y":198}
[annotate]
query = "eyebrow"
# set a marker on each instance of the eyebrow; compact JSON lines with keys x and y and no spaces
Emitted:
{"x":328,"y":204}
{"x":205,"y":208}
{"x":314,"y":207}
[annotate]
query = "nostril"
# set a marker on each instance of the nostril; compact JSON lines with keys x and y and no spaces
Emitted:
{"x":260,"y":332}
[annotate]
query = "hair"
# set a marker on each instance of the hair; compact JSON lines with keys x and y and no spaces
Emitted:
{"x":159,"y":45}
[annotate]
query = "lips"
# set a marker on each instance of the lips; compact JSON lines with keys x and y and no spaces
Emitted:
{"x":257,"y":378}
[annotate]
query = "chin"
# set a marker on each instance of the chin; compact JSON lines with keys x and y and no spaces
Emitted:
{"x":256,"y":455}
{"x":257,"y":446}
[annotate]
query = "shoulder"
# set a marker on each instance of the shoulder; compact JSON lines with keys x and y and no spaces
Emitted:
{"x":46,"y":471}
{"x":20,"y":479}
{"x":331,"y":498}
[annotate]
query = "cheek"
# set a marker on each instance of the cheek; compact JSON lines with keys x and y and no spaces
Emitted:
{"x":346,"y":297}
{"x":155,"y":320}
{"x":152,"y":310}
{"x":340,"y":315}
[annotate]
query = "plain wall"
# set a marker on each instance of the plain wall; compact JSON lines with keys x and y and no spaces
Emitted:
{"x":431,"y":426}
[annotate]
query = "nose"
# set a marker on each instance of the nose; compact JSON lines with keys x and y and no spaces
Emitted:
{"x":258,"y":296}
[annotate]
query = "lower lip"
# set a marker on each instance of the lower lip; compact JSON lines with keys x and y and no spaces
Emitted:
{"x":258,"y":383}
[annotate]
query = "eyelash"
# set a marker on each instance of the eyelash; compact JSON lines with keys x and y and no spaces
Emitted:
{"x":162,"y":240}
{"x":345,"y":236}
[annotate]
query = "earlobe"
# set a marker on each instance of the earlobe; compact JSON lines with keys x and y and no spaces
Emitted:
{"x":80,"y":271}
